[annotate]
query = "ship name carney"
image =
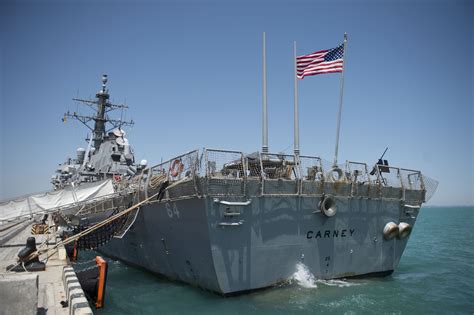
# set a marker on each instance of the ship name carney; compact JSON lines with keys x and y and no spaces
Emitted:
{"x":330,"y":233}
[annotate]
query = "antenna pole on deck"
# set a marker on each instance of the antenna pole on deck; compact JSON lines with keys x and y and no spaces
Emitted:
{"x":340,"y":101}
{"x":264,"y":101}
{"x":296,"y":115}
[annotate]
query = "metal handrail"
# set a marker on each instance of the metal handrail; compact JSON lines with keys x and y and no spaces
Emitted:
{"x":295,"y":162}
{"x":174,"y":158}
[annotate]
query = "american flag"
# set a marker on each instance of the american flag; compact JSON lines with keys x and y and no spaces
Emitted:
{"x":323,"y":61}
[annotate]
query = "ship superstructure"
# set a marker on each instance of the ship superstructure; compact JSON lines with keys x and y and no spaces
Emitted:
{"x":108,"y":155}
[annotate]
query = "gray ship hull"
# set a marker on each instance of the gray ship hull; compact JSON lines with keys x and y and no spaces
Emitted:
{"x":228,"y":243}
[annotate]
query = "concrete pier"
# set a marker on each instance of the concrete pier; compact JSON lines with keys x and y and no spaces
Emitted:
{"x":43,"y":292}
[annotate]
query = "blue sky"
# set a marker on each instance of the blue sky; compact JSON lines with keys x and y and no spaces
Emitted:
{"x":191,"y":74}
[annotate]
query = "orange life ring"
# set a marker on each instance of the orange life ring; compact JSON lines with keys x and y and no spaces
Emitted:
{"x":176,"y":168}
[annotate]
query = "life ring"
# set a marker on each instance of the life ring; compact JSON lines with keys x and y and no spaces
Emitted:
{"x":340,"y":174}
{"x":390,"y":231}
{"x":176,"y":168}
{"x":328,"y":206}
{"x":404,"y":229}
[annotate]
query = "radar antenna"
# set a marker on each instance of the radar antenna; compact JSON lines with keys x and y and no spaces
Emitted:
{"x":102,"y":106}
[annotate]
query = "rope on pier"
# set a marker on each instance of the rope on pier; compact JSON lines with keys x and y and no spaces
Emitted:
{"x":50,"y":251}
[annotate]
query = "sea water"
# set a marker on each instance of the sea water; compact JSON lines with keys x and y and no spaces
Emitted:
{"x":435,"y":276}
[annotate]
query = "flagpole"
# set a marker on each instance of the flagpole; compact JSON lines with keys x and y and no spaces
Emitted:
{"x":296,"y":115}
{"x":340,"y":100}
{"x":264,"y":101}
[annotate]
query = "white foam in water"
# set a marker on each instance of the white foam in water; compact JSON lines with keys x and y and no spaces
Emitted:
{"x":304,"y":277}
{"x":337,"y":283}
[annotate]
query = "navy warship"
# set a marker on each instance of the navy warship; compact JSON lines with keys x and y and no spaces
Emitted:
{"x":231,"y":222}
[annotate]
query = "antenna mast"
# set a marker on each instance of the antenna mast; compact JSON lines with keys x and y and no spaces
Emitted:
{"x":102,"y":107}
{"x":264,"y":100}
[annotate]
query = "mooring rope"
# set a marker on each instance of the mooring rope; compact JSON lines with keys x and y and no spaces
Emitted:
{"x":50,"y":251}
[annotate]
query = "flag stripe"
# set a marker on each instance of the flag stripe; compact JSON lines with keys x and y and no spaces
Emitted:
{"x":320,"y":68}
{"x":318,"y":72}
{"x":339,"y":61}
{"x":323,"y":65}
{"x":309,"y":57}
{"x":322,"y":71}
{"x":304,"y":64}
{"x":310,"y":72}
{"x":321,"y":52}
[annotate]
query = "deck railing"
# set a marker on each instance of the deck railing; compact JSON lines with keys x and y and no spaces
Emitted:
{"x":229,"y":172}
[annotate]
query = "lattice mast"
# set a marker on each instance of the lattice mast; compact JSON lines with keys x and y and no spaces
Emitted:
{"x":102,"y":106}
